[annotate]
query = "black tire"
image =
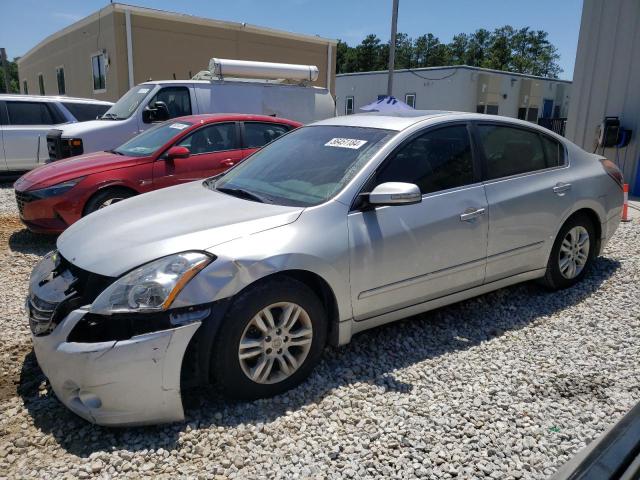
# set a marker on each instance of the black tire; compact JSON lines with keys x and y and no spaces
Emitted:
{"x":554,"y":279}
{"x":225,"y":367}
{"x":98,"y":199}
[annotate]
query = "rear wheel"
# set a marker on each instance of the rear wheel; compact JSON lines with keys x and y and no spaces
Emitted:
{"x":270,"y":339}
{"x":106,"y":197}
{"x":572,"y":254}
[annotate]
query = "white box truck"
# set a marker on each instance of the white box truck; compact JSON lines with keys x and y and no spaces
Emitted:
{"x":231,"y":86}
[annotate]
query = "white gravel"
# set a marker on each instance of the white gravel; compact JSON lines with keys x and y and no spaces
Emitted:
{"x":508,"y":385}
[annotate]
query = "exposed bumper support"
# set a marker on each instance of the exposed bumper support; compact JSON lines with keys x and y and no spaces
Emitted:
{"x":128,"y":382}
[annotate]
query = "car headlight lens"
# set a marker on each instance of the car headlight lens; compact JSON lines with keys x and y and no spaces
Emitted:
{"x":152,"y":287}
{"x":57,"y":189}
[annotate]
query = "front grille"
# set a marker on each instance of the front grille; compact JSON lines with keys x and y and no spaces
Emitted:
{"x":56,"y":288}
{"x":22,"y":198}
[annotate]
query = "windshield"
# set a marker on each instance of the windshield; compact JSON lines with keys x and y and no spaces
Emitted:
{"x":305,"y":167}
{"x":148,"y":142}
{"x":128,"y":104}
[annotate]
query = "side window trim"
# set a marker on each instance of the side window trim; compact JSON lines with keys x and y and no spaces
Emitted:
{"x":477,"y":179}
{"x":480,"y":154}
{"x":192,"y":132}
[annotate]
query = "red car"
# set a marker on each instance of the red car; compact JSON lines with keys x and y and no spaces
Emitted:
{"x":53,"y":196}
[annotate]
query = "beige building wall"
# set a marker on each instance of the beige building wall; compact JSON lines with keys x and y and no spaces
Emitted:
{"x":72,"y":48}
{"x":164,"y":46}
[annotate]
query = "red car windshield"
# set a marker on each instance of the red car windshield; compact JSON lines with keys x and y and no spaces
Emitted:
{"x":149,"y":142}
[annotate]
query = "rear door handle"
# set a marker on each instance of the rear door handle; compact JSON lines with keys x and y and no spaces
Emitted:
{"x":471,"y":213}
{"x":561,"y":188}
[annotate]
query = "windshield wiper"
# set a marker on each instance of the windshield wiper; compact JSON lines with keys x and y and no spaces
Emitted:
{"x":115,"y":151}
{"x":240,"y":193}
{"x":109,"y":116}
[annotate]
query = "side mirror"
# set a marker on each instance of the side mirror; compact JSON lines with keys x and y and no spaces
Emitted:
{"x":395,"y":193}
{"x":177,"y":152}
{"x":162,"y":111}
{"x":156,"y":112}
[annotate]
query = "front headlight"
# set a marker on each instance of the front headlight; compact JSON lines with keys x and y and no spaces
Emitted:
{"x":57,"y":189}
{"x":152,"y":287}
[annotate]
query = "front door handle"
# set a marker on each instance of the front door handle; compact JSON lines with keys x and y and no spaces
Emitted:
{"x":561,"y":188}
{"x":229,"y":162}
{"x":471,"y":213}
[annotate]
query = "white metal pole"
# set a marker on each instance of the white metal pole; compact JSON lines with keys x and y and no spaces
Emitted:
{"x":127,"y":16}
{"x":392,"y":47}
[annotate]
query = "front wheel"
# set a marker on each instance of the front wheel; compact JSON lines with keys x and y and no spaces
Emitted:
{"x":270,"y":339}
{"x":572,"y":254}
{"x":107,"y":197}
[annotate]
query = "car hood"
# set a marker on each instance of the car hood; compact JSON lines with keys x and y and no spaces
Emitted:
{"x":74,"y":167}
{"x":79,"y":128}
{"x":186,"y":217}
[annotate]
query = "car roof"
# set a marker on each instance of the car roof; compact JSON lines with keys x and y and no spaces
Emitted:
{"x":399,"y":121}
{"x":247,"y":117}
{"x":52,"y":98}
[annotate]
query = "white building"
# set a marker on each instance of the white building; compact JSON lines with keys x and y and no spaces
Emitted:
{"x":607,"y":80}
{"x":460,"y":88}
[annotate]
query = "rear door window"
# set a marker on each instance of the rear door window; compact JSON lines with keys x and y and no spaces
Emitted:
{"x":86,"y":111}
{"x":177,"y":100}
{"x":33,"y":113}
{"x":212,"y":138}
{"x":554,"y":152}
{"x":258,"y":134}
{"x":436,"y":160}
{"x":511,"y":151}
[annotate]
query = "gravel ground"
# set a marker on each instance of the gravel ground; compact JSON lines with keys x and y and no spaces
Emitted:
{"x":508,"y":385}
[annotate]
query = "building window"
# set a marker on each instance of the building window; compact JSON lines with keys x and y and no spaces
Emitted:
{"x":532,"y":114}
{"x":480,"y":109}
{"x":41,"y":83}
{"x":410,"y":99}
{"x":25,"y":88}
{"x":99,"y":75}
{"x":348,"y":106}
{"x":60,"y":78}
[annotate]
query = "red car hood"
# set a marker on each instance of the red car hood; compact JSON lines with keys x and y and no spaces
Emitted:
{"x":70,"y":168}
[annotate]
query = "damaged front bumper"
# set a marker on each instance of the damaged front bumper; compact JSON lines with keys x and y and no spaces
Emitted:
{"x":120,"y":382}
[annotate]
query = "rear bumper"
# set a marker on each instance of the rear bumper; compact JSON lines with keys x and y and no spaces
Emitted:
{"x":128,"y":382}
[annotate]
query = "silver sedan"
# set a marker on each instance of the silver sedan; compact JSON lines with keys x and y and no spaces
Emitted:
{"x":332,"y":229}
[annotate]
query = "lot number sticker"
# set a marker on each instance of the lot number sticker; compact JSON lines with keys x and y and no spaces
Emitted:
{"x":352,"y":143}
{"x":179,"y":126}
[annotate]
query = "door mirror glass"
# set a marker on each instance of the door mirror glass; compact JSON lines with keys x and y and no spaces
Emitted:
{"x":395,"y":193}
{"x":178,"y":152}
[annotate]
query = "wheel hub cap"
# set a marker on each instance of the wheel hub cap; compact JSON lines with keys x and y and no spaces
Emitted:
{"x":574,"y":252}
{"x":275,"y":343}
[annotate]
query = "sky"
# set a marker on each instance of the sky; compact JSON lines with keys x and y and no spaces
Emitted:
{"x":23,"y":23}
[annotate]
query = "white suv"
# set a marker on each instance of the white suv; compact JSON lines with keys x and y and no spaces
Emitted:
{"x":26,"y":119}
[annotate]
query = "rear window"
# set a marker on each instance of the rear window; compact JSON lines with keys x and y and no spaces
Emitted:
{"x":86,"y":111}
{"x":33,"y":113}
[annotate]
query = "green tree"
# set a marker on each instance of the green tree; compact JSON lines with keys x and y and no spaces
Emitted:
{"x":498,"y":55}
{"x":14,"y":85}
{"x":458,"y":49}
{"x":346,"y":60}
{"x":479,"y":42}
{"x":368,"y":54}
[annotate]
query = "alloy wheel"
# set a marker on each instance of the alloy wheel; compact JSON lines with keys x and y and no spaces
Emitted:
{"x":574,"y":252}
{"x":275,"y":343}
{"x":109,"y":201}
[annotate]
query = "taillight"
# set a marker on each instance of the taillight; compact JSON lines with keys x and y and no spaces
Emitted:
{"x":613,"y":171}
